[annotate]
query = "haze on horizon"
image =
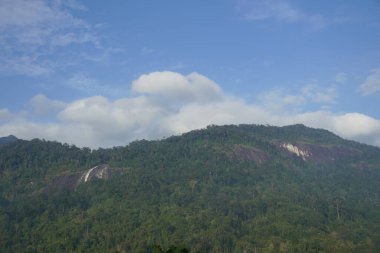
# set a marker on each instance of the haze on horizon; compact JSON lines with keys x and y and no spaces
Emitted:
{"x":91,"y":73}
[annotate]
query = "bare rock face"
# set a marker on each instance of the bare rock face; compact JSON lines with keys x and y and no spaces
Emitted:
{"x":317,"y":153}
{"x":298,"y":151}
{"x":71,"y":181}
{"x":305,"y":151}
{"x":244,"y":153}
{"x":100,"y":171}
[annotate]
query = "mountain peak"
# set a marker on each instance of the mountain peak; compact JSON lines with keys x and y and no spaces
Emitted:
{"x":8,"y":139}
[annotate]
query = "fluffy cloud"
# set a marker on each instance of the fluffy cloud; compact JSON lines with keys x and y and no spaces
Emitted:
{"x":356,"y":125}
{"x":371,"y":84}
{"x":174,"y":87}
{"x":129,"y":115}
{"x":228,"y":111}
{"x":167,"y":103}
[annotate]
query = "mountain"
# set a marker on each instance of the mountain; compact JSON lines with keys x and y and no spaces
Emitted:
{"x":7,"y":140}
{"x":246,"y":188}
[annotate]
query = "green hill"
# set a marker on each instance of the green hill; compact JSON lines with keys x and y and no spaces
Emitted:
{"x":7,"y":139}
{"x":243,"y":188}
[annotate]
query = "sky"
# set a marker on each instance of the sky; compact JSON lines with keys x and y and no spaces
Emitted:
{"x":106,"y":73}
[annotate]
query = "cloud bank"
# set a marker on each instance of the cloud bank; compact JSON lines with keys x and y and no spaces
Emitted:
{"x":169,"y":103}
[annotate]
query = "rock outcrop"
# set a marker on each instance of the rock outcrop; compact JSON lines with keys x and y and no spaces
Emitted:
{"x":318,"y":153}
{"x":303,"y":153}
{"x":71,"y":181}
{"x":244,"y":153}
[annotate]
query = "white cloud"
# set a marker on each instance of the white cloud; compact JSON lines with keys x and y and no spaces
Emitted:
{"x":371,"y":84}
{"x":33,"y":31}
{"x":20,"y":12}
{"x":91,"y":86}
{"x":228,"y":111}
{"x":41,"y":105}
{"x":282,"y":11}
{"x":280,"y":99}
{"x":71,"y":38}
{"x":25,"y":65}
{"x":356,"y":125}
{"x":5,"y":114}
{"x":98,"y":121}
{"x":35,"y":22}
{"x":82,"y":82}
{"x":318,"y":95}
{"x":174,"y":87}
{"x":115,"y":122}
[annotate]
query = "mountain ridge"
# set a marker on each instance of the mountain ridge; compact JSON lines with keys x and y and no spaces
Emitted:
{"x":7,"y":139}
{"x":245,"y":188}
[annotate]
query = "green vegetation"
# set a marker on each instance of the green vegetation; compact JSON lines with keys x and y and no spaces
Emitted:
{"x":220,"y":189}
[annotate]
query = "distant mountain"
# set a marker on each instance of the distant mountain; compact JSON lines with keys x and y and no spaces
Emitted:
{"x":8,"y":139}
{"x":246,"y":188}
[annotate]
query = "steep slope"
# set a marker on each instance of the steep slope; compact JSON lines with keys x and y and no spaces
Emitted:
{"x":240,"y":188}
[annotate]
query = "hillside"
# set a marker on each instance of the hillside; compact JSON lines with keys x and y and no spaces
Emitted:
{"x":7,"y":140}
{"x":243,"y":188}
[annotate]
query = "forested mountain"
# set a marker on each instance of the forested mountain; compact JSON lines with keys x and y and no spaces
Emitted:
{"x":7,"y":139}
{"x":245,"y":188}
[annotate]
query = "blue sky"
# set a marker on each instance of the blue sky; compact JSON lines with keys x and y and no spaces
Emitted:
{"x":104,"y":73}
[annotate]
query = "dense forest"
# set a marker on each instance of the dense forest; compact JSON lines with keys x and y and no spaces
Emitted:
{"x":222,"y":189}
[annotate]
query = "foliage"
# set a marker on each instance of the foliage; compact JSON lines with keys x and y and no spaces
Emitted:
{"x":190,"y":190}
